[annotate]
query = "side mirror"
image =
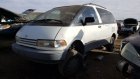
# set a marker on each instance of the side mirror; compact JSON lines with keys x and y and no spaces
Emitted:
{"x":87,"y":20}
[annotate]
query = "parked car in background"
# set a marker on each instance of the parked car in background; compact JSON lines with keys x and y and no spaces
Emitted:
{"x":130,"y":52}
{"x":63,"y":35}
{"x":11,"y":22}
{"x":30,"y":14}
{"x":129,"y":26}
{"x":7,"y":18}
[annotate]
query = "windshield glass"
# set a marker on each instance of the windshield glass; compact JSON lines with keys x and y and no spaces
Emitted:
{"x":60,"y":15}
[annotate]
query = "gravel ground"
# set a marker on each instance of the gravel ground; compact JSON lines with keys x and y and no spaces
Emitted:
{"x":100,"y":65}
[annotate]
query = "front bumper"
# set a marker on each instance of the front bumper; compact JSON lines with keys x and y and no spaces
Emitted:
{"x":45,"y":56}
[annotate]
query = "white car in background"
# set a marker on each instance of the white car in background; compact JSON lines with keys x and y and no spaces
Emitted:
{"x":65,"y":34}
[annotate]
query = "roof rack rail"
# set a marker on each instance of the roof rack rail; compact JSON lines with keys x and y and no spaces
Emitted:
{"x":94,"y":4}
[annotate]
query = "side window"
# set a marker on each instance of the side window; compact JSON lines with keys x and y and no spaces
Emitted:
{"x":106,"y":16}
{"x":88,"y":12}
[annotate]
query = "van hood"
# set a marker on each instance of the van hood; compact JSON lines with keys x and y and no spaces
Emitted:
{"x":38,"y":32}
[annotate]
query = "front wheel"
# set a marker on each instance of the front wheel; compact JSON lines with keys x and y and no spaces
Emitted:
{"x":72,"y":64}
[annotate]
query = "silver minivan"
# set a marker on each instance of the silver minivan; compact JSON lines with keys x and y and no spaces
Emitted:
{"x":64,"y":34}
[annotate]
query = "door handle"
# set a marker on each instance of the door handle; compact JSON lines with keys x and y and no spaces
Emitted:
{"x":99,"y":26}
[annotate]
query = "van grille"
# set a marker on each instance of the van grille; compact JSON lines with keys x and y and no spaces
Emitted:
{"x":26,"y":41}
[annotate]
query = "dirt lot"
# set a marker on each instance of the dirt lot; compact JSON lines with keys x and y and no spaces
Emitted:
{"x":13,"y":66}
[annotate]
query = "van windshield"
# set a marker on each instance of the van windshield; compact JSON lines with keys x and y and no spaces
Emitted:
{"x":58,"y":16}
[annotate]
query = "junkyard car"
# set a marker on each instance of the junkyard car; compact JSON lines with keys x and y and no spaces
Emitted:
{"x":130,"y":52}
{"x":65,"y":34}
{"x":8,"y":27}
{"x":130,"y":26}
{"x":11,"y":22}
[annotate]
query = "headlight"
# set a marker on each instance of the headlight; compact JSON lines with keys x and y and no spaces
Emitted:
{"x":51,"y":43}
{"x":2,"y":27}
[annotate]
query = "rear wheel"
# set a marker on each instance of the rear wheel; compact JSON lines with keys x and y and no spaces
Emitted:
{"x":72,"y":64}
{"x":110,"y":46}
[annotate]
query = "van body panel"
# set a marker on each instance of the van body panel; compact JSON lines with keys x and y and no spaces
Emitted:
{"x":38,"y":32}
{"x":70,"y":34}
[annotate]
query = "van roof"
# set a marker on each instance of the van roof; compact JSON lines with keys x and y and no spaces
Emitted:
{"x":95,"y":5}
{"x":80,"y":6}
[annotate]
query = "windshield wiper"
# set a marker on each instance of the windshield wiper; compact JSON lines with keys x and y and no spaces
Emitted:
{"x":54,"y":20}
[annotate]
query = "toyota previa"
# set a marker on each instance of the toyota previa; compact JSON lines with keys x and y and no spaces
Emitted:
{"x":64,"y":34}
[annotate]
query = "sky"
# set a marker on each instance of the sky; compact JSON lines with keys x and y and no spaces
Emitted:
{"x":121,"y":9}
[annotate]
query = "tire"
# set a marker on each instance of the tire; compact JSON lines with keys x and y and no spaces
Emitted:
{"x":72,"y":64}
{"x":110,"y":46}
{"x":123,"y":66}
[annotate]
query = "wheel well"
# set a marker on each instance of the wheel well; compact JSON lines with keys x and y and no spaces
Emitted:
{"x":79,"y":46}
